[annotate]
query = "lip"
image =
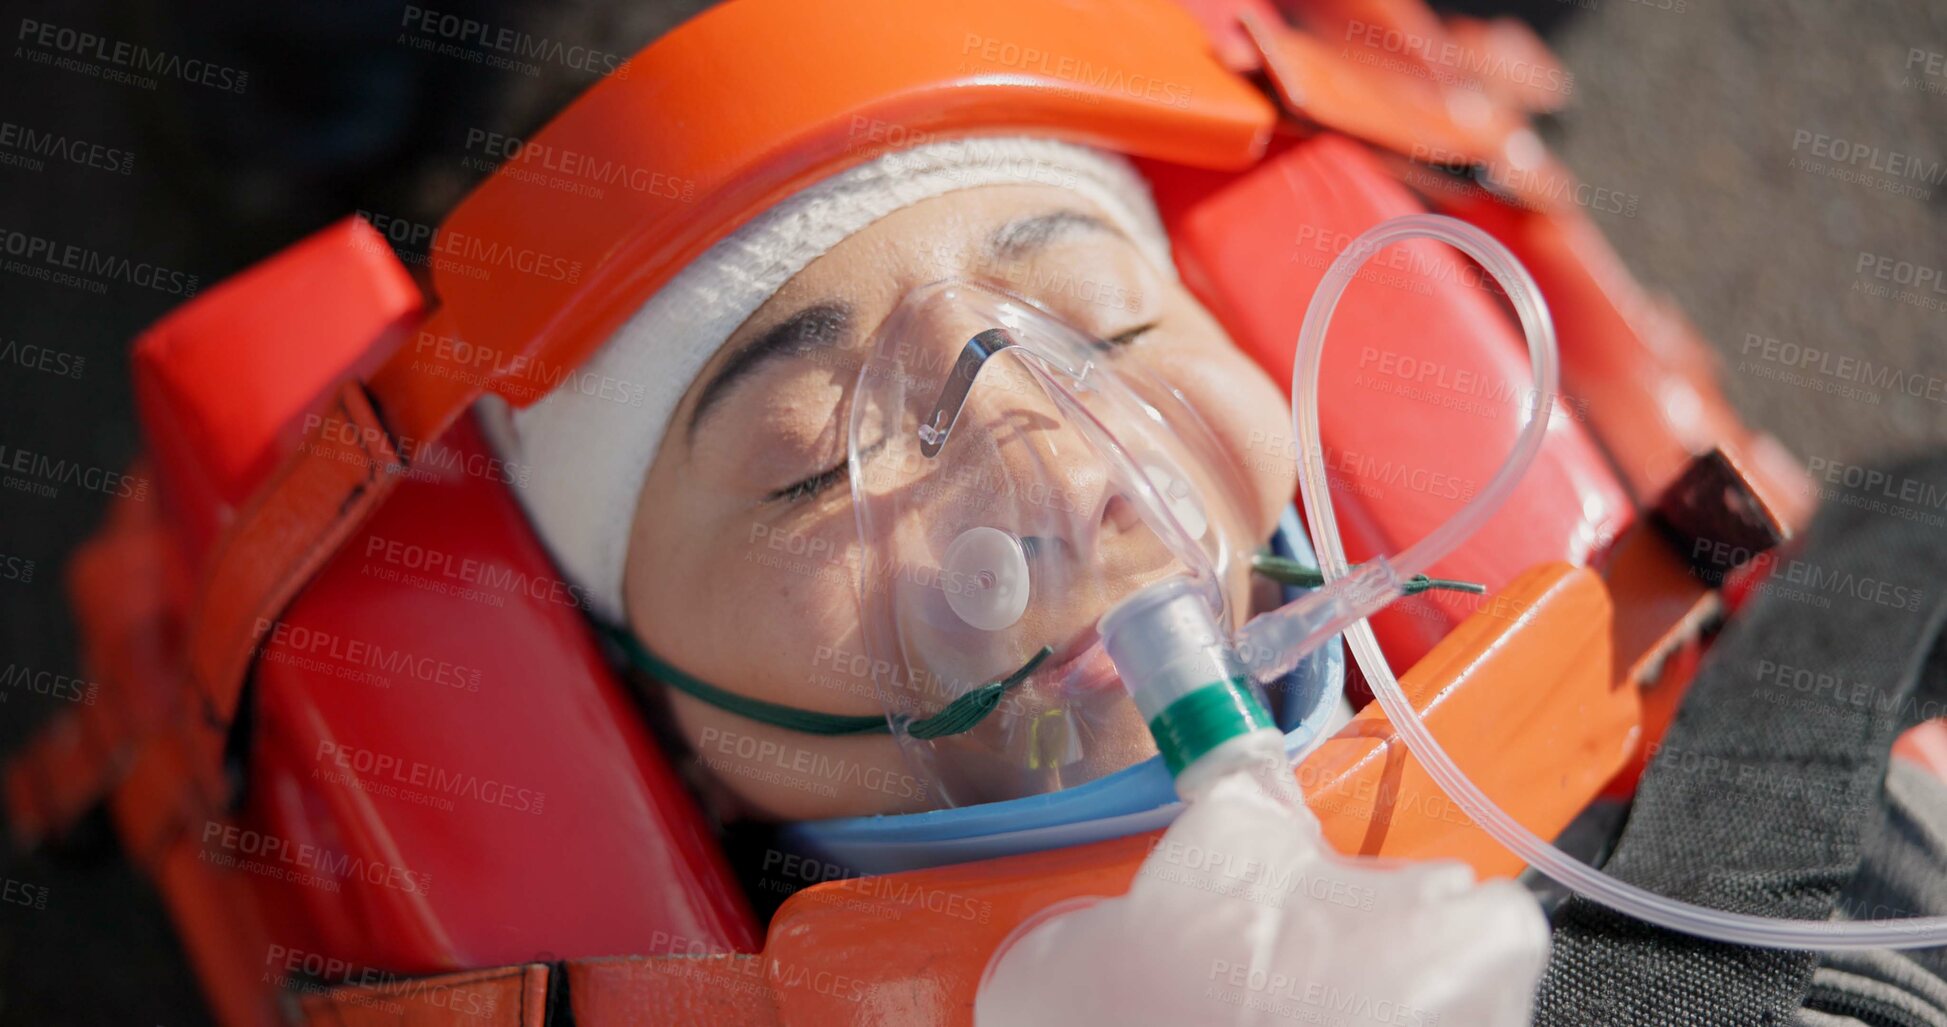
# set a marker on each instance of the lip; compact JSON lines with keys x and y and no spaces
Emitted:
{"x":1075,"y":647}
{"x":1082,"y":668}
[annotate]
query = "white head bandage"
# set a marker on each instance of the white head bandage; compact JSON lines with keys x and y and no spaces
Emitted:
{"x":585,"y":450}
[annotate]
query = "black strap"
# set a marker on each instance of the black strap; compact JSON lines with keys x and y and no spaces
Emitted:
{"x":1762,"y":794}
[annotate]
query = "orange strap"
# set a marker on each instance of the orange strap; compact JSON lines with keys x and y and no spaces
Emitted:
{"x":610,"y":991}
{"x":508,"y":996}
{"x":278,"y":541}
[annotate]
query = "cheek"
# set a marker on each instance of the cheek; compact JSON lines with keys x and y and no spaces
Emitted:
{"x":767,"y":612}
{"x":703,"y":582}
{"x":1250,"y":418}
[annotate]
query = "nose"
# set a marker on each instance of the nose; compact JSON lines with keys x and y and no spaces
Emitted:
{"x":1058,"y":477}
{"x":1118,"y":513}
{"x":1054,"y":470}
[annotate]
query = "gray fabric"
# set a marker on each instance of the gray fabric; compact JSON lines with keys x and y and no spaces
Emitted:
{"x":1764,"y":795}
{"x":1814,"y":1018}
{"x":1869,"y":1000}
{"x":1905,"y":870}
{"x":1904,"y":874}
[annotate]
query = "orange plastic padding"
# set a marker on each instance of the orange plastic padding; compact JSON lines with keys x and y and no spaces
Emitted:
{"x":1659,"y":603}
{"x":1516,"y":67}
{"x":1550,"y":726}
{"x":1354,"y":88}
{"x":541,"y":712}
{"x":750,"y":102}
{"x":1337,"y":19}
{"x":223,"y":935}
{"x":60,"y":775}
{"x":168,"y":789}
{"x":1377,"y":84}
{"x":1501,"y":62}
{"x":1644,"y":379}
{"x":1522,"y":694}
{"x":510,"y":996}
{"x":123,"y":584}
{"x":1222,"y":21}
{"x":1662,"y":614}
{"x":1253,"y":247}
{"x":226,"y":378}
{"x":1632,"y":360}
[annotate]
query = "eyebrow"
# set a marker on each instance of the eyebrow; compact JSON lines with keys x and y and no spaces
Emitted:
{"x":809,"y":329}
{"x":1023,"y":236}
{"x":823,"y":324}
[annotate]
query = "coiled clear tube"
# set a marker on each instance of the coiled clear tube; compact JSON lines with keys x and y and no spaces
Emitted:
{"x":1739,"y":928}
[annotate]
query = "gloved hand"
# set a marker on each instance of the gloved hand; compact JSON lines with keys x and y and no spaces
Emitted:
{"x":1243,"y":915}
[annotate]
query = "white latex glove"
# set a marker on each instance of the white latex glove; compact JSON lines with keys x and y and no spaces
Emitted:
{"x":1242,"y":915}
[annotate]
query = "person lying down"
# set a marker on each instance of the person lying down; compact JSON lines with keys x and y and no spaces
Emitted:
{"x":908,"y":435}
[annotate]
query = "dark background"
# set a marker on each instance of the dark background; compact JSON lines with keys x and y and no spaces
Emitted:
{"x":1694,"y":111}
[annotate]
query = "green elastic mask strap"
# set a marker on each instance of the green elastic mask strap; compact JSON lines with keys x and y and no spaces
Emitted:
{"x":1286,"y":571}
{"x":961,"y":715}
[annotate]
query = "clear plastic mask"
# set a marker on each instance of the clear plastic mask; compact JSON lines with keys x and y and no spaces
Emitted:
{"x":1012,"y":480}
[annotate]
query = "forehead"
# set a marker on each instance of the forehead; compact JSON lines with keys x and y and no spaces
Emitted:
{"x":943,"y":236}
{"x":865,"y":275}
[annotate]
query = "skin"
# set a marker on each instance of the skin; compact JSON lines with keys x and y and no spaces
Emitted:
{"x":707,"y":586}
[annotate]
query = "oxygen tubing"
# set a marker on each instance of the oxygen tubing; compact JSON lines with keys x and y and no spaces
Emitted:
{"x":1688,"y":918}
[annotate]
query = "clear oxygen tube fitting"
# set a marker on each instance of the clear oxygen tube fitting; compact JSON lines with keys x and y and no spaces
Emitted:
{"x":1187,"y":679}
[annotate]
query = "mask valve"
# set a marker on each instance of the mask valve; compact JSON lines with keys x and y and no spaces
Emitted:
{"x":987,"y":578}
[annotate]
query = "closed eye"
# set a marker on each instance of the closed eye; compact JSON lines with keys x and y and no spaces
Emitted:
{"x":812,"y":486}
{"x":1126,"y":338}
{"x":807,"y":488}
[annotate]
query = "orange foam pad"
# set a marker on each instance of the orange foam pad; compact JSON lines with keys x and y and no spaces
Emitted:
{"x":226,"y":378}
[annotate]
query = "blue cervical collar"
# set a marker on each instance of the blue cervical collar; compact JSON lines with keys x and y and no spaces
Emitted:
{"x":1129,"y":801}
